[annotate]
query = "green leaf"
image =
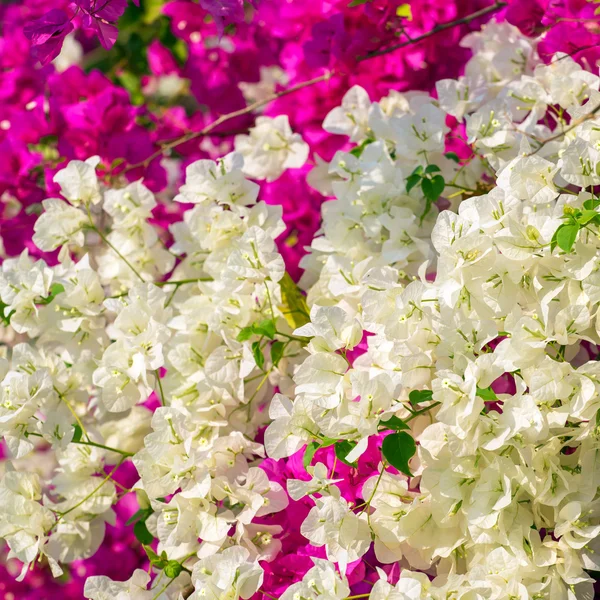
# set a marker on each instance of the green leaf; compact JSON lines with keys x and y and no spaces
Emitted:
{"x":294,"y":308}
{"x":140,"y":515}
{"x":342,"y":449}
{"x":358,"y":2}
{"x":154,"y":558}
{"x":418,"y":396}
{"x":55,"y":289}
{"x":398,"y":449}
{"x":587,"y":216}
{"x":245,"y":334}
{"x":452,"y":156}
{"x":309,"y":453}
{"x":413,"y":179}
{"x":172,"y":569}
{"x":433,"y":188}
{"x":132,"y":83}
{"x":487,"y":394}
{"x":394,"y":423}
{"x":277,"y":349}
{"x":591,"y":204}
{"x":259,"y":357}
{"x":77,"y":433}
{"x":564,"y":237}
{"x":404,"y":11}
{"x":358,"y":150}
{"x":266,"y":328}
{"x":142,"y":534}
{"x":152,"y":10}
{"x":432,"y":169}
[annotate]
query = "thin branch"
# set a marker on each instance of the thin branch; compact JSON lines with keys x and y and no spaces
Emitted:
{"x":91,"y":494}
{"x":564,"y":132}
{"x":223,"y":118}
{"x":437,"y":29}
{"x":90,"y":443}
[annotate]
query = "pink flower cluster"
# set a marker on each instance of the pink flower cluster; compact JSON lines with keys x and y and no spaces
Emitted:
{"x":50,"y":114}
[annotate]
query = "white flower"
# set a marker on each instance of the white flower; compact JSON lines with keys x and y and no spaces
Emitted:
{"x":321,"y":582}
{"x":345,"y":535}
{"x":79,"y":183}
{"x":352,"y":117}
{"x":221,"y":182}
{"x":270,"y":148}
{"x":229,"y":573}
{"x":59,"y":224}
{"x":103,"y":588}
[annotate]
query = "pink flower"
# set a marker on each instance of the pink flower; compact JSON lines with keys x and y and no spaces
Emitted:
{"x":527,"y":15}
{"x":47,"y":34}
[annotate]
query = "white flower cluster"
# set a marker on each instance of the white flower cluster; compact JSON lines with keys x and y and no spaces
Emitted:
{"x":480,"y":381}
{"x":203,"y":328}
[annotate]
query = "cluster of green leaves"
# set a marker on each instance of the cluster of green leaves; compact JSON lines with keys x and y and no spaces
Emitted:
{"x":127,"y":60}
{"x":295,"y":311}
{"x":171,"y":568}
{"x":575,"y":220}
{"x":431,"y":182}
{"x":264,"y":329}
{"x":397,"y":448}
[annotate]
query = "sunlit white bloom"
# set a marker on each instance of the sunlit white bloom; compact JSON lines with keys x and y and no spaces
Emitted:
{"x":270,"y":148}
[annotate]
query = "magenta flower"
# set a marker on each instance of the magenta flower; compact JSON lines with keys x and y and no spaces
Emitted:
{"x":527,"y":15}
{"x":47,"y":34}
{"x":101,"y":16}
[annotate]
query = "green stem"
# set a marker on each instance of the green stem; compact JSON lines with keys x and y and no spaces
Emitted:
{"x":111,"y":246}
{"x":422,"y":411}
{"x":94,"y":444}
{"x":161,"y":395}
{"x":104,"y":480}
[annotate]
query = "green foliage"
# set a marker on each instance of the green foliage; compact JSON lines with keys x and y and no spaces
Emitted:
{"x":265,"y":328}
{"x":358,"y":150}
{"x":127,"y":61}
{"x":487,"y":394}
{"x":398,"y":449}
{"x":294,"y":308}
{"x":431,"y":182}
{"x":313,"y":447}
{"x":55,"y":289}
{"x":259,"y":357}
{"x":77,"y":433}
{"x":142,"y":534}
{"x":277,"y":349}
{"x":342,"y":449}
{"x":394,"y":423}
{"x":404,"y":11}
{"x":309,"y":453}
{"x":575,"y":220}
{"x":172,"y":569}
{"x":5,"y":317}
{"x":417,"y":396}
